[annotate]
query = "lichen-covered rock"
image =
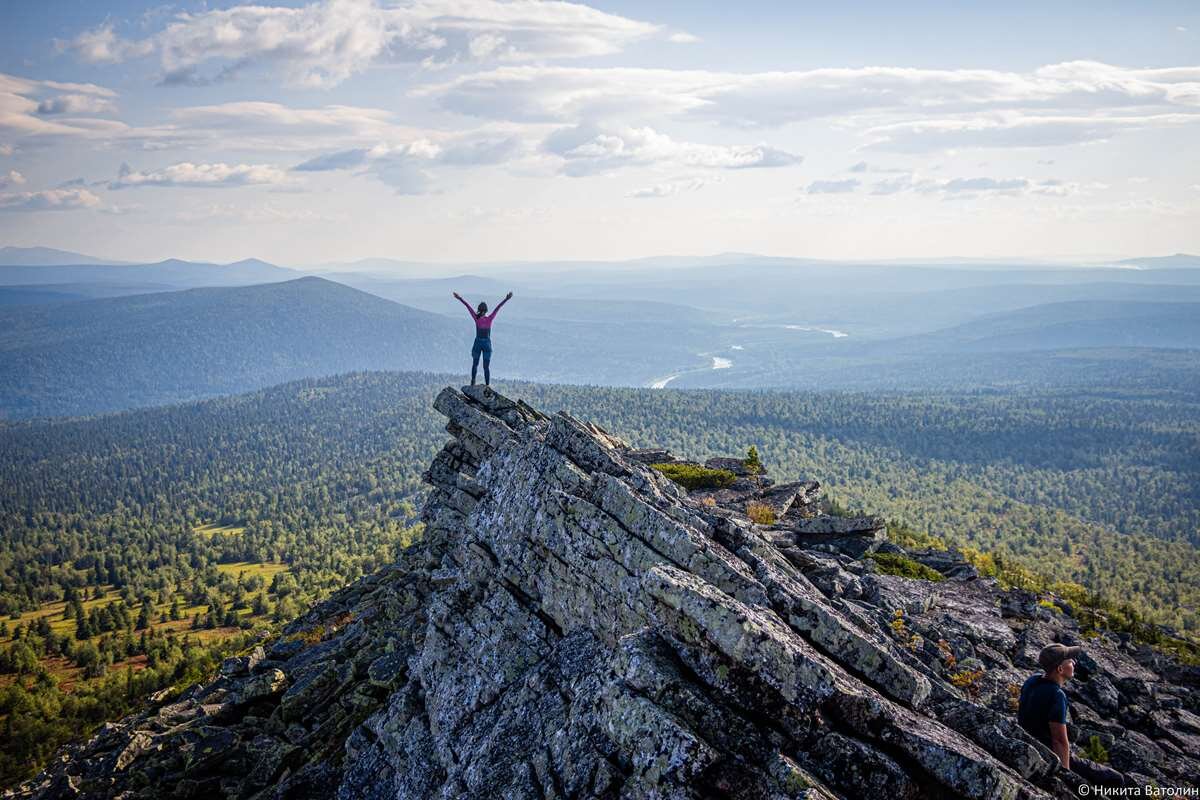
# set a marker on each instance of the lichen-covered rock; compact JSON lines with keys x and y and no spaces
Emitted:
{"x":574,"y":625}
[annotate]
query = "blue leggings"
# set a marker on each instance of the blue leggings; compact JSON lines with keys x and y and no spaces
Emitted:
{"x":482,"y":347}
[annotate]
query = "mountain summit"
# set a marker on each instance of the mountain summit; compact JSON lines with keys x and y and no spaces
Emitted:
{"x":575,"y":625}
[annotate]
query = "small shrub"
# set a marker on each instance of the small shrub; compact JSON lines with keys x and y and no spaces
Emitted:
{"x":1094,"y":750}
{"x":693,"y":476}
{"x":896,"y":564}
{"x":913,"y":641}
{"x":1014,"y":697}
{"x":760,"y":513}
{"x":708,"y":501}
{"x":969,"y":680}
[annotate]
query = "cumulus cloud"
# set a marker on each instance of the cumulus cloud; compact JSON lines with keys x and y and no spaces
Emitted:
{"x":832,"y":187}
{"x":670,"y":188}
{"x":49,"y":200}
{"x":200,"y":175}
{"x":683,"y":37}
{"x":590,"y":150}
{"x":325,"y":42}
{"x":13,"y":178}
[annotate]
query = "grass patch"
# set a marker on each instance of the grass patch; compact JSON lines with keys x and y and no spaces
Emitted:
{"x":265,"y":570}
{"x":896,"y":564}
{"x":693,"y":476}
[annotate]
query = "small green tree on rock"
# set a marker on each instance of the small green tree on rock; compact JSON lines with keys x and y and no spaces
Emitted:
{"x":752,"y":461}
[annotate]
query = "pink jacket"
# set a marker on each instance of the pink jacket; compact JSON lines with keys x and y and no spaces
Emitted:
{"x":483,"y":322}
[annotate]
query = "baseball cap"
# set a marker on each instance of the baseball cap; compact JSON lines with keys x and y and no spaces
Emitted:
{"x":1054,"y":654}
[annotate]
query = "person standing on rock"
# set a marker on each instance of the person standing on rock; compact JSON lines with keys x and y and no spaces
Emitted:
{"x":483,"y":336}
{"x":1043,"y":712}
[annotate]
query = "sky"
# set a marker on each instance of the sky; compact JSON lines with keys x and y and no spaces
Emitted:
{"x":500,"y":130}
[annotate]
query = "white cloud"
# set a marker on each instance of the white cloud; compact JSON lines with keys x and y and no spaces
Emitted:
{"x":960,"y":185}
{"x":325,"y":42}
{"x":1012,"y":131}
{"x":13,"y":178}
{"x":406,"y":167}
{"x":832,"y":187}
{"x":863,"y":167}
{"x":50,"y":200}
{"x":75,"y":104}
{"x":683,"y":38}
{"x":343,"y":159}
{"x":200,"y":175}
{"x":671,"y":188}
{"x":25,"y":103}
{"x":590,"y":150}
{"x":979,"y":186}
{"x":264,"y":117}
{"x":6,"y":150}
{"x":906,"y":110}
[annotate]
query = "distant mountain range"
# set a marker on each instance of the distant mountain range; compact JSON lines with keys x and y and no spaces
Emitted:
{"x":1177,"y":261}
{"x":1057,"y":326}
{"x":46,"y":256}
{"x":172,"y":273}
{"x":79,"y":338}
{"x":108,"y":354}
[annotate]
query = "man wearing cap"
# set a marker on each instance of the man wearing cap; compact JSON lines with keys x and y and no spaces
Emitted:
{"x":1043,"y":712}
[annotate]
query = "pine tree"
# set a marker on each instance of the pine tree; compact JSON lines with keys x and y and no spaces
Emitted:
{"x":752,"y":462}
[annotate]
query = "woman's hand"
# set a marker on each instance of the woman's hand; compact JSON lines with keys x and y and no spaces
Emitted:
{"x":456,"y":295}
{"x":508,"y":296}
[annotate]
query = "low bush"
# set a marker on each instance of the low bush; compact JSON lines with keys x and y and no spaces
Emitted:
{"x":896,"y":564}
{"x":760,"y":513}
{"x":694,"y":476}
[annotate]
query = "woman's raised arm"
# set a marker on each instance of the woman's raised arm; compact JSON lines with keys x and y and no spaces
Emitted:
{"x":500,"y":305}
{"x":470,"y":310}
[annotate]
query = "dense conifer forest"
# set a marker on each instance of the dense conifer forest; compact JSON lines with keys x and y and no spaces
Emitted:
{"x":139,"y":548}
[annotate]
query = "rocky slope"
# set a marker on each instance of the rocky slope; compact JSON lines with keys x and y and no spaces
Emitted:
{"x":574,"y":625}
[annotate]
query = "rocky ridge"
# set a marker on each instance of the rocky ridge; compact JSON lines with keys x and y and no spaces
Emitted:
{"x":574,"y":625}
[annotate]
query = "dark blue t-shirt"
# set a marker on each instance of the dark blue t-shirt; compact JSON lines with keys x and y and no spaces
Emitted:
{"x":1042,"y":701}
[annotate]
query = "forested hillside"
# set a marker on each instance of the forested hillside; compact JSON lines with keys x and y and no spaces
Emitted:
{"x":138,"y":548}
{"x":117,"y":353}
